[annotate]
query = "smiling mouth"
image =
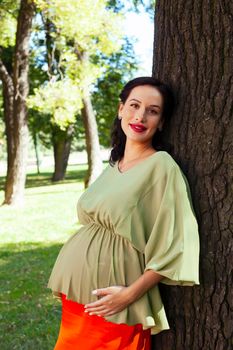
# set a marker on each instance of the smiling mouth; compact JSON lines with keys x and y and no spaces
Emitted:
{"x":137,"y":128}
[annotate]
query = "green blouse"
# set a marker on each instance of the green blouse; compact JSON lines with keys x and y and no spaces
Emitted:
{"x":134,"y":221}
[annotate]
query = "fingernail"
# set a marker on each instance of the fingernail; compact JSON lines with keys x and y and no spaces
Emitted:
{"x":94,"y":292}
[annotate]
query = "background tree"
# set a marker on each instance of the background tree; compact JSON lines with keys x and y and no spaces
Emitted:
{"x":39,"y":125}
{"x":193,"y":52}
{"x":2,"y":136}
{"x":61,"y":136}
{"x":55,"y":47}
{"x":77,"y":36}
{"x":14,"y":76}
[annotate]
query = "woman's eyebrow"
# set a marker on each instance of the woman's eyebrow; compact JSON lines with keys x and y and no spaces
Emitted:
{"x":134,"y":99}
{"x":155,"y":106}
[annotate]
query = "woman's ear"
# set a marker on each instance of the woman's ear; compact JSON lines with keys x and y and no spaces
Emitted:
{"x":120,"y":107}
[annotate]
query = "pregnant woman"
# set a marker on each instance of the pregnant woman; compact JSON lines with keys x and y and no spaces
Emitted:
{"x":138,"y":229}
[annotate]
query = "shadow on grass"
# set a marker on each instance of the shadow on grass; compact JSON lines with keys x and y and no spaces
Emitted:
{"x":30,"y":317}
{"x":45,"y":178}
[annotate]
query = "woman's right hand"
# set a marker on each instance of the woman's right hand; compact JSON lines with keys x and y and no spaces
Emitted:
{"x":111,"y":300}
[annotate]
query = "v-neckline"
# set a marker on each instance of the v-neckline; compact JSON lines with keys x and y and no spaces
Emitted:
{"x":136,"y":165}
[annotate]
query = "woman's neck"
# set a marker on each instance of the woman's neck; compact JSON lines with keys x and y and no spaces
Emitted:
{"x":136,"y":151}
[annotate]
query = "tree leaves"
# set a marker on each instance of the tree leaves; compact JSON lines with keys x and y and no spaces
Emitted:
{"x":61,"y":99}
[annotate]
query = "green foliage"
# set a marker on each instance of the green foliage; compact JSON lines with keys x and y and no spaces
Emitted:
{"x":133,"y":5}
{"x":75,"y":31}
{"x":88,"y":23}
{"x":66,"y":30}
{"x":81,"y":73}
{"x":8,"y":29}
{"x":61,"y":99}
{"x":8,"y":22}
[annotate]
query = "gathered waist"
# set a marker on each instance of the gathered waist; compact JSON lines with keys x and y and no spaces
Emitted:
{"x":104,"y":226}
{"x":109,"y":230}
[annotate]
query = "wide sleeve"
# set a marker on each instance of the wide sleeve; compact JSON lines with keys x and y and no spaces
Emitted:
{"x":172,"y":240}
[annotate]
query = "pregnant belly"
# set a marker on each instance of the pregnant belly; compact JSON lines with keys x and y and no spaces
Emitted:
{"x":95,"y":257}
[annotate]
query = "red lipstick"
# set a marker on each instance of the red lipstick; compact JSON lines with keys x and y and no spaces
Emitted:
{"x":138,"y":127}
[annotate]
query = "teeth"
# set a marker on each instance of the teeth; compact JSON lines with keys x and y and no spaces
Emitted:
{"x":138,"y":127}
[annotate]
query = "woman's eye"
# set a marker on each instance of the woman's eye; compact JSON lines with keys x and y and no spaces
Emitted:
{"x":134,"y":105}
{"x":153,"y":111}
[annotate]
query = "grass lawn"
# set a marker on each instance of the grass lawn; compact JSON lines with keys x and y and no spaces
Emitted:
{"x":30,"y":239}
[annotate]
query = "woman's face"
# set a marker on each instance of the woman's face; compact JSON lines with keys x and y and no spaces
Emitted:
{"x":141,"y":114}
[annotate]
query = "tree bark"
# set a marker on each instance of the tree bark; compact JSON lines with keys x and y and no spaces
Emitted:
{"x":8,"y":98}
{"x":61,"y":150}
{"x":193,"y":53}
{"x":95,"y":164}
{"x":16,"y":115}
{"x":35,"y":142}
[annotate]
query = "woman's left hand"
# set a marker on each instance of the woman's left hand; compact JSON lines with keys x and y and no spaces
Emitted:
{"x":112,"y":300}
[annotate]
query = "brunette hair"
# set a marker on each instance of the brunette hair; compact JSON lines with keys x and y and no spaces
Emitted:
{"x":118,"y":138}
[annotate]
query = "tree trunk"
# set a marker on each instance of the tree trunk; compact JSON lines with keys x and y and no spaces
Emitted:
{"x":95,"y":165}
{"x":8,"y":98}
{"x":193,"y":52}
{"x":61,"y":150}
{"x":35,"y":142}
{"x":17,"y":157}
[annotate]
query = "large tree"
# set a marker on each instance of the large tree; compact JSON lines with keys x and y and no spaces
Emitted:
{"x":14,"y":76}
{"x":193,"y":53}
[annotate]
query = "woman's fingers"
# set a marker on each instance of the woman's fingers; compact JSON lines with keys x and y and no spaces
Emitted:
{"x":107,"y":291}
{"x":94,"y":304}
{"x":99,"y":302}
{"x":97,"y":309}
{"x":102,"y":291}
{"x":112,"y":301}
{"x":103,"y":312}
{"x":101,"y":308}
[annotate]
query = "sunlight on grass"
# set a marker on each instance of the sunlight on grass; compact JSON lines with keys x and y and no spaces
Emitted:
{"x":49,"y":214}
{"x":30,"y":239}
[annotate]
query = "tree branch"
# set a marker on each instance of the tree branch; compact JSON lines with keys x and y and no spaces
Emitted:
{"x":4,"y":74}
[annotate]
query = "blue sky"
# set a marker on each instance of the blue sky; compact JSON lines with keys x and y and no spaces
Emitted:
{"x":141,"y":27}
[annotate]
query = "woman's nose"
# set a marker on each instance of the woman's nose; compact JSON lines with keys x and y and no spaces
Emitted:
{"x":140,"y":114}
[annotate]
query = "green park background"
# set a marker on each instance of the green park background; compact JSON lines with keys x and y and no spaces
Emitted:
{"x":63,"y":64}
{"x":32,"y":234}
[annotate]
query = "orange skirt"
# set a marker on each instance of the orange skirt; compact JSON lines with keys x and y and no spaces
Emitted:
{"x":80,"y":331}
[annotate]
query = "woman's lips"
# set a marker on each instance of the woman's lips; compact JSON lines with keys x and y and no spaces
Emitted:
{"x":137,"y":128}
